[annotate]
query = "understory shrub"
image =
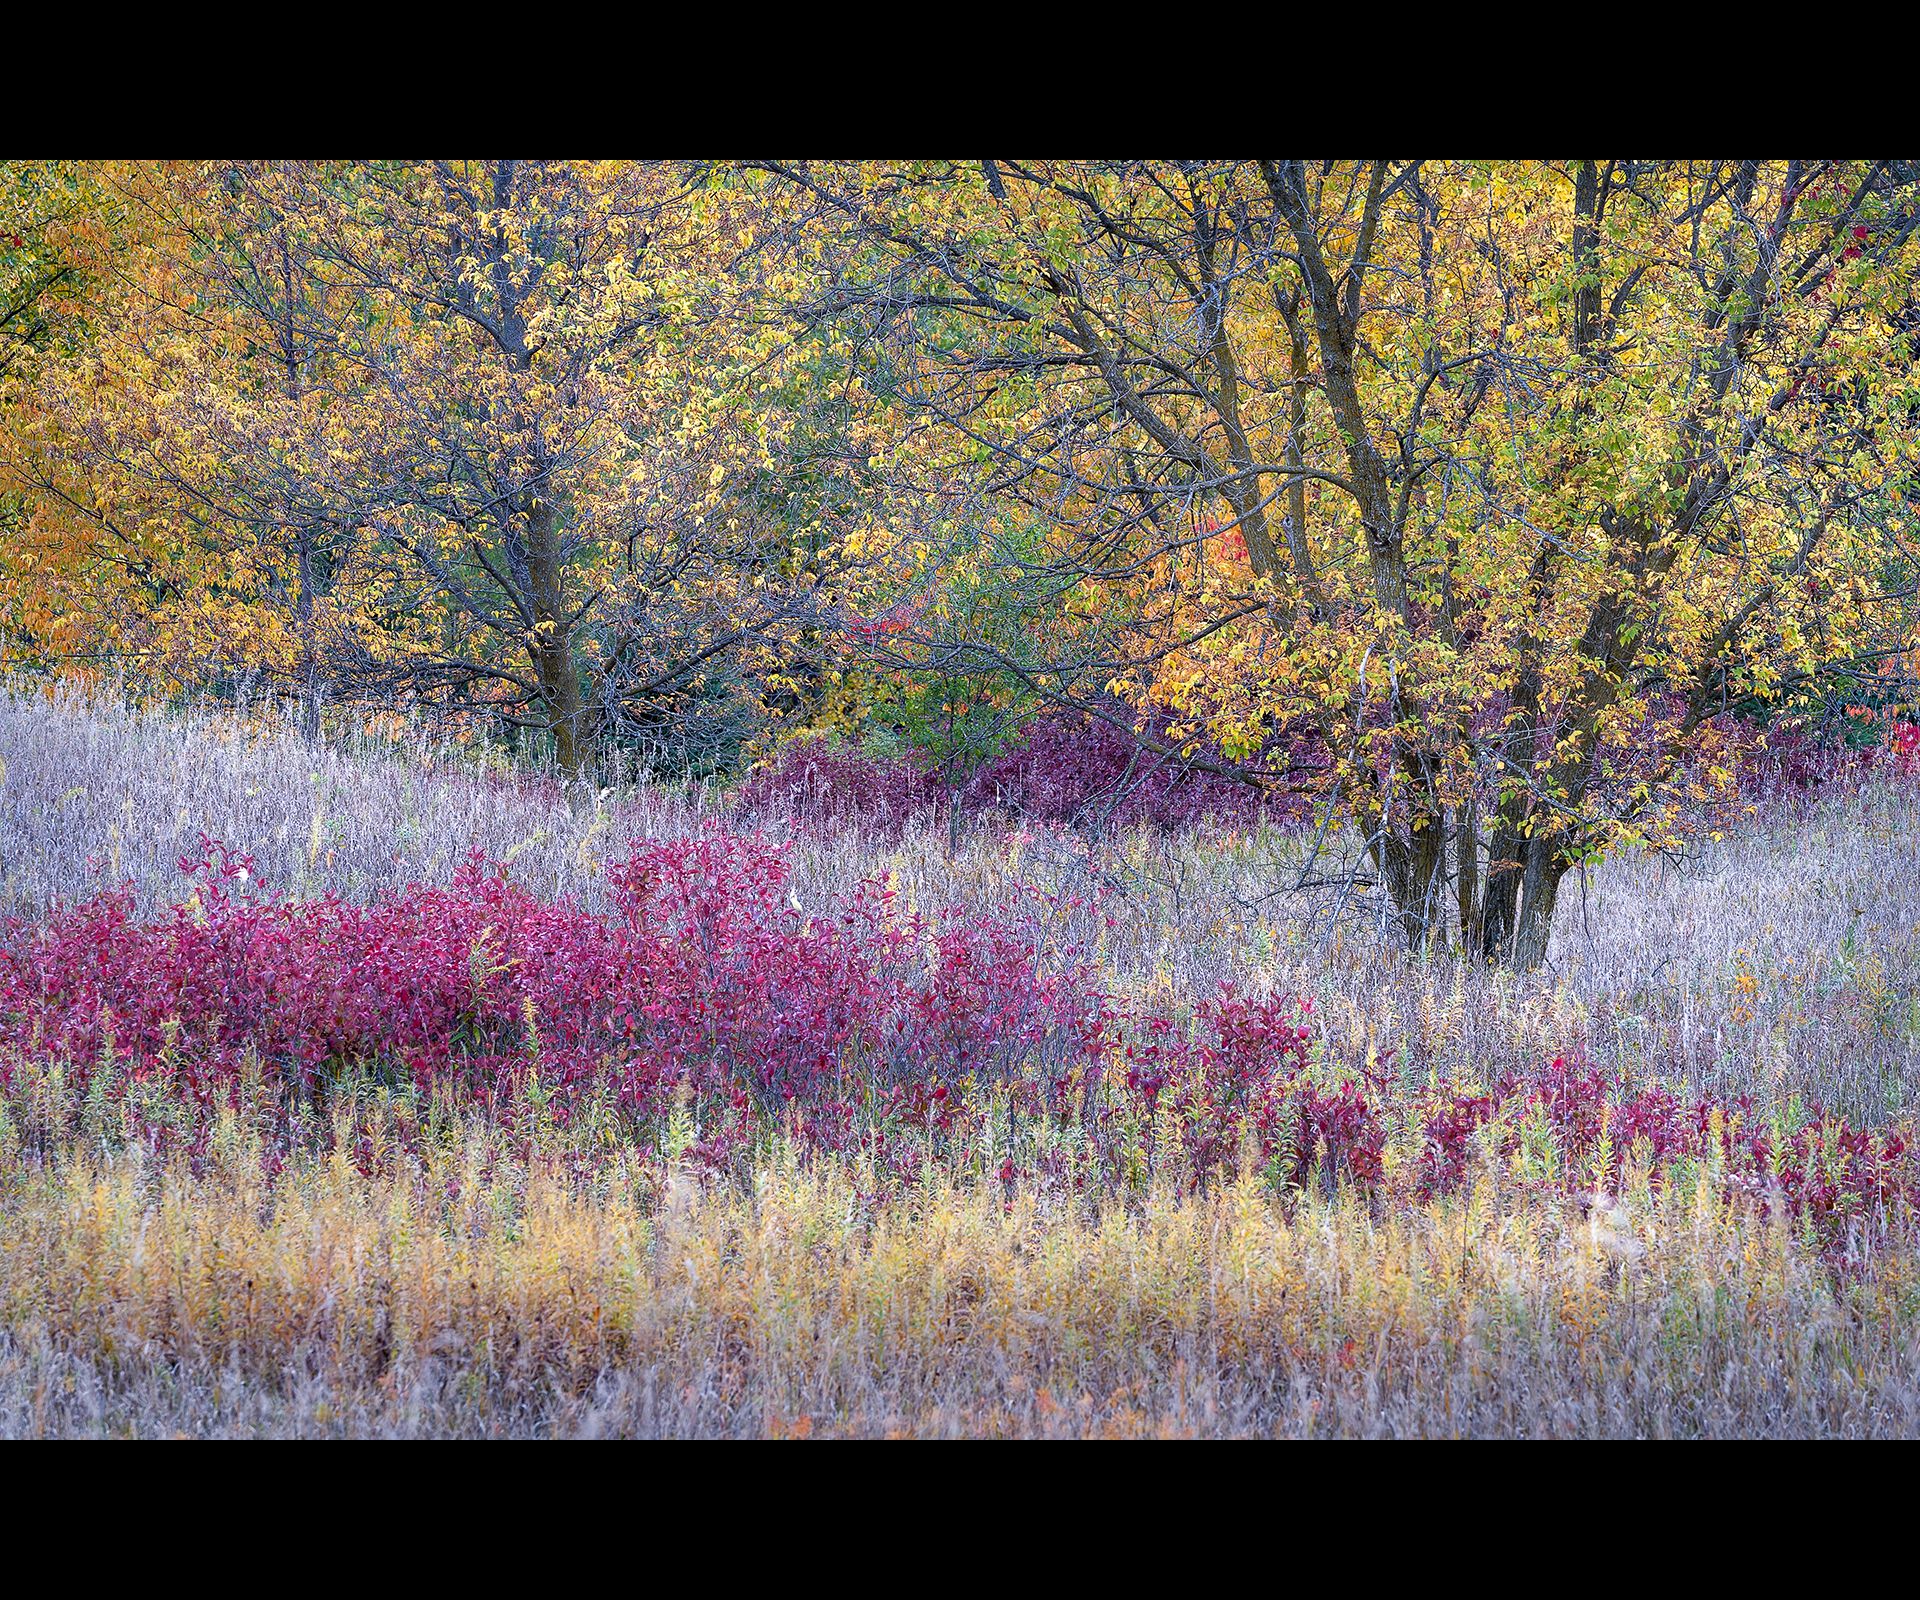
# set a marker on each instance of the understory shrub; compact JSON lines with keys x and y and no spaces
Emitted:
{"x":1081,"y":769}
{"x":1075,"y":769}
{"x":889,"y":1035}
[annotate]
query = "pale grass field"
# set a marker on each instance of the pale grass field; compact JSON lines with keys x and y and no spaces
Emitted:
{"x":142,"y":1299}
{"x":144,"y":1303}
{"x":1786,"y":958}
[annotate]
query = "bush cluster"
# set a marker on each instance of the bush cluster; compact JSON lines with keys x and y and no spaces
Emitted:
{"x":889,"y":1034}
{"x":1072,"y":768}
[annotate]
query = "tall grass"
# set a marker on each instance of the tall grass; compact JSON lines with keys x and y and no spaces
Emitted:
{"x":410,"y":1265}
{"x":1785,"y":959}
{"x":465,"y":1299}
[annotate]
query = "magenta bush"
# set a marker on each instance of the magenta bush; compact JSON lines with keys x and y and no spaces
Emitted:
{"x":704,"y":974}
{"x":1795,"y":763}
{"x":818,"y":783}
{"x":1073,"y":769}
{"x":866,"y":1028}
{"x":1079,"y":769}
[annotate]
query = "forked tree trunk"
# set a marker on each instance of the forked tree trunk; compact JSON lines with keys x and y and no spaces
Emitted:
{"x":1523,"y":885}
{"x":1538,"y":896}
{"x":1466,"y":873}
{"x":309,"y":645}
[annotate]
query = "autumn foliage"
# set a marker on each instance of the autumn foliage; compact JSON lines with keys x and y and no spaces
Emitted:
{"x":1484,"y":506}
{"x":884,"y":796}
{"x":868,"y":1032}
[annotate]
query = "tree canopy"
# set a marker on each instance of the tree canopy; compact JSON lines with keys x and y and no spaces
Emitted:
{"x":1502,"y":485}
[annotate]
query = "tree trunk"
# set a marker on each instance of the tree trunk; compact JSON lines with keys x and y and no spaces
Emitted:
{"x":1500,"y":900}
{"x":1523,"y":884}
{"x":309,"y":647}
{"x":1537,"y":897}
{"x":1466,"y":873}
{"x":561,"y":690}
{"x":552,"y":647}
{"x":1411,"y":868}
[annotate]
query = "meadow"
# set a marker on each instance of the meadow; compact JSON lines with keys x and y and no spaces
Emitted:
{"x":363,"y":1088}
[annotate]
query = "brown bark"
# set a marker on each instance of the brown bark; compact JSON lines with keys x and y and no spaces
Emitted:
{"x":1410,"y":866}
{"x":309,"y":645}
{"x":1523,"y":886}
{"x":552,"y":647}
{"x":1466,"y":873}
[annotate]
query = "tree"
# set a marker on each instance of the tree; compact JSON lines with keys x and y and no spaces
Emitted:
{"x":468,"y":433}
{"x":1507,"y":478}
{"x":50,"y":249}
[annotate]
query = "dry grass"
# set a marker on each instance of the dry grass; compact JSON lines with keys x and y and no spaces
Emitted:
{"x":151,"y":1301}
{"x":484,"y":1292}
{"x":94,"y":796}
{"x":1783,"y":961}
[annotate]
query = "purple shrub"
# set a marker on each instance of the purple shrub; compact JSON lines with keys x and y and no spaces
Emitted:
{"x":821,"y":784}
{"x":1079,"y":769}
{"x":1074,"y":769}
{"x":863,"y":1029}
